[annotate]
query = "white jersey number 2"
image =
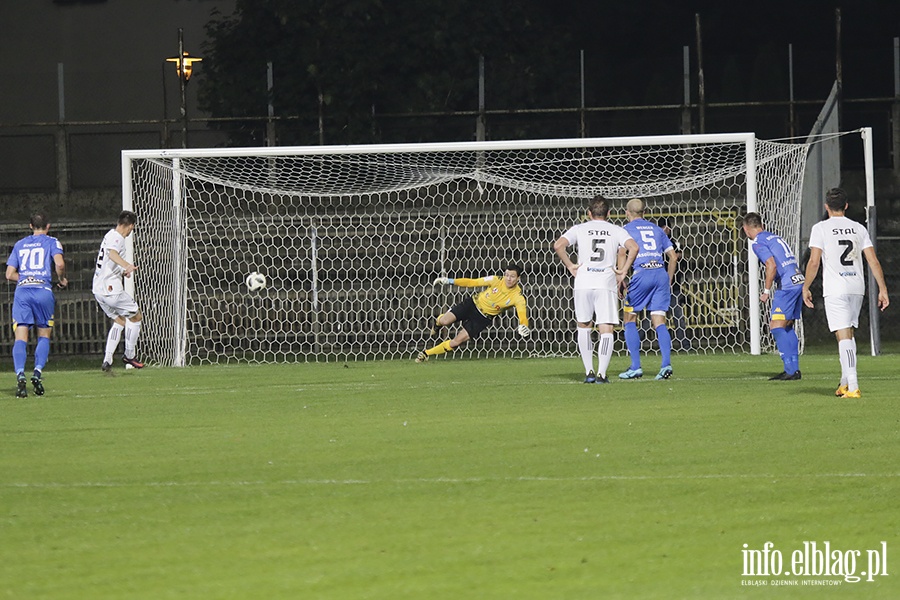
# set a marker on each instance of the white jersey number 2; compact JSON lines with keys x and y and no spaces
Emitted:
{"x":845,"y":255}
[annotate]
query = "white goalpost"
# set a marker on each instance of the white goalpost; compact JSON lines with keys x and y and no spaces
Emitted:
{"x":350,"y":238}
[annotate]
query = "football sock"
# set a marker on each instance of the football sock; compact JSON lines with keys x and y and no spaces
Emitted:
{"x":132,"y":331}
{"x":586,"y":348}
{"x":19,"y":353}
{"x":441,"y":348}
{"x":665,"y":344}
{"x":852,"y":377}
{"x":783,"y":344}
{"x":604,"y":353}
{"x":847,"y":352}
{"x":633,"y":343}
{"x":112,"y":341}
{"x":793,"y":354}
{"x":41,"y":353}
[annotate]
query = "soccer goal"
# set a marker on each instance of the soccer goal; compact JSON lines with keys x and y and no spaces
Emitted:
{"x":350,"y":238}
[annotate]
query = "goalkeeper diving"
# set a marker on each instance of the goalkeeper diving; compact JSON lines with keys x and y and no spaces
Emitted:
{"x":477,"y":311}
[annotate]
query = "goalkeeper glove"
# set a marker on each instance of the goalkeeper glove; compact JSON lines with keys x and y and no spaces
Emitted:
{"x":443,"y":281}
{"x":523,"y":331}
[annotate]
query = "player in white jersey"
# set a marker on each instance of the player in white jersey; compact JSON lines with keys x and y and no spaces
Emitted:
{"x":109,"y":290}
{"x":839,"y":244}
{"x":598,"y":274}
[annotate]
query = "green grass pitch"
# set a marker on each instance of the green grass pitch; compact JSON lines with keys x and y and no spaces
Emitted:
{"x":454,"y":479}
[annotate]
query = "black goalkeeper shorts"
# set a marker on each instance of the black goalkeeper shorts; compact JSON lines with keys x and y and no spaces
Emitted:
{"x":472,"y":319}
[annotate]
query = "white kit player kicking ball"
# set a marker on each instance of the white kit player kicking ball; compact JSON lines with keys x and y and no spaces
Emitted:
{"x":109,"y":290}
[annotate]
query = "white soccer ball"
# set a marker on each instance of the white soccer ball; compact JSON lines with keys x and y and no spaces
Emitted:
{"x":255,"y":281}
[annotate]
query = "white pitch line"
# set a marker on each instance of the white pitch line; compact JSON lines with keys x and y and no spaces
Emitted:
{"x":435,"y":480}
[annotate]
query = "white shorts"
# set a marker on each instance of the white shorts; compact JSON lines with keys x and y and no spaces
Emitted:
{"x":843,"y":311}
{"x":118,"y":305}
{"x":602,"y":304}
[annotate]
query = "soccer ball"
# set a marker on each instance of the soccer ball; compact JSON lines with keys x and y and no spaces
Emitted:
{"x":255,"y":281}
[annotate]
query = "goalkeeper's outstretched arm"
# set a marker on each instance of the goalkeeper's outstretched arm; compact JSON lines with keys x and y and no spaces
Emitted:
{"x":522,"y":314}
{"x":465,"y":282}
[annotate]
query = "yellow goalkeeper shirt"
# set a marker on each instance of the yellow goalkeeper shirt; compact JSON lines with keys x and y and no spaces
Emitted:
{"x":497,"y":297}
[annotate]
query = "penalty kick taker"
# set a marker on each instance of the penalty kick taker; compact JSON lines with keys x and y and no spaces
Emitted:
{"x":476,"y":312}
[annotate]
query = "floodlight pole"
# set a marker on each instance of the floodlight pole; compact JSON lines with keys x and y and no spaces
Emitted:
{"x":182,"y":84}
{"x":165,"y":121}
{"x":184,"y":65}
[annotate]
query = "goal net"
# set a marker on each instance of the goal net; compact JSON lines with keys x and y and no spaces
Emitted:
{"x":350,"y":239}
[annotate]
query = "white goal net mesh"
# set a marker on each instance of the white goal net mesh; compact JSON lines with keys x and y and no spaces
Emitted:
{"x":350,"y":240}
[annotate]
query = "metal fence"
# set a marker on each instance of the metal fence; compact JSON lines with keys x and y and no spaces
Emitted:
{"x":71,"y":156}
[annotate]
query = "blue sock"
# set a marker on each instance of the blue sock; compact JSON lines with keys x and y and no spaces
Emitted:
{"x":793,"y":354}
{"x":782,"y":340}
{"x":633,"y":343}
{"x":41,"y":353}
{"x":665,"y":344}
{"x":19,"y":353}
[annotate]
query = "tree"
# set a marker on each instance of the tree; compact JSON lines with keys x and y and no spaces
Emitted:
{"x":353,"y":60}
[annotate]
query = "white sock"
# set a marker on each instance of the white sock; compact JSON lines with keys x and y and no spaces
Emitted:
{"x":847,"y":352}
{"x":586,"y":348}
{"x":112,"y":341}
{"x":132,"y":331}
{"x":604,"y":353}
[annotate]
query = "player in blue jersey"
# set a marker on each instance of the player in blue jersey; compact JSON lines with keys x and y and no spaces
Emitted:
{"x":31,"y":266}
{"x":784,"y":285}
{"x":650,"y":288}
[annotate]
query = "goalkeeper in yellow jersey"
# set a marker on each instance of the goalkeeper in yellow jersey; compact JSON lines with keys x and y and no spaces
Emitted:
{"x":477,"y":311}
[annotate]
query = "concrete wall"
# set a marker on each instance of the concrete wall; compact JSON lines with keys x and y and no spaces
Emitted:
{"x":112,"y":52}
{"x":113,"y":55}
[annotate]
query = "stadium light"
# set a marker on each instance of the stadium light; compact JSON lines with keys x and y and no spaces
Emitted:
{"x":184,"y":67}
{"x":188,"y":61}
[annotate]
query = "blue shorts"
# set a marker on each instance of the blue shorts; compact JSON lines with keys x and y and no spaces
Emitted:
{"x":787,"y":304}
{"x":649,"y":289}
{"x":33,"y":307}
